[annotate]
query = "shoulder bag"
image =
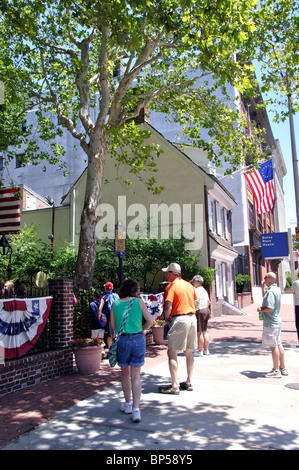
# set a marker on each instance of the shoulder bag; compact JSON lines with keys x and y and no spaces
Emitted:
{"x":112,"y":354}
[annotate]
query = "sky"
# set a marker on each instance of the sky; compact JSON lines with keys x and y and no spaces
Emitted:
{"x":281,"y":131}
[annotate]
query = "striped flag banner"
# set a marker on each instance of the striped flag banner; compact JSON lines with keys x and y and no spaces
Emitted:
{"x":21,"y":324}
{"x":10,"y":212}
{"x":261,"y":183}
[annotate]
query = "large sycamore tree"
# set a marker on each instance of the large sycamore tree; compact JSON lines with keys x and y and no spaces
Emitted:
{"x":97,"y":65}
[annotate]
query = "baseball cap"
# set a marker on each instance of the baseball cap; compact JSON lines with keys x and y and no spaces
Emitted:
{"x":108,"y":285}
{"x":173,"y":267}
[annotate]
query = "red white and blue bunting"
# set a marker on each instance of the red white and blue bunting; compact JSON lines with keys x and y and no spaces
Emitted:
{"x":21,"y":324}
{"x":154,"y":303}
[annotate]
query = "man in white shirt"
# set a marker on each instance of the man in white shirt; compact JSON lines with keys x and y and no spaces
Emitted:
{"x":202,"y":315}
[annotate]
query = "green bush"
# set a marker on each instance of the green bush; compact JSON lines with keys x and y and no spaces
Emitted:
{"x":241,"y":281}
{"x":143,"y":261}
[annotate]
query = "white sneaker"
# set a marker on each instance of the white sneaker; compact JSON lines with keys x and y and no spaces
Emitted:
{"x":136,"y":417}
{"x":126,"y":408}
{"x":197,"y":353}
{"x":206,"y":352}
{"x":284,"y":371}
{"x":273,"y":374}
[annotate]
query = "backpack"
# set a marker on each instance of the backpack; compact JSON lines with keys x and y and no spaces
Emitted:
{"x":103,"y":319}
{"x":108,"y":301}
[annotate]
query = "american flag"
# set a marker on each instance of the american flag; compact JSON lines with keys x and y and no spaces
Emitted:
{"x":262,"y":184}
{"x":10,"y":217}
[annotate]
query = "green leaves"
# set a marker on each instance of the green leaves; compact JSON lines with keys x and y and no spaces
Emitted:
{"x":144,"y":260}
{"x":61,"y":58}
{"x":277,"y":53}
{"x":128,"y":146}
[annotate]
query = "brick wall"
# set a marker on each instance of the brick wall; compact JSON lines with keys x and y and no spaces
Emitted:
{"x":62,"y":311}
{"x":31,"y":370}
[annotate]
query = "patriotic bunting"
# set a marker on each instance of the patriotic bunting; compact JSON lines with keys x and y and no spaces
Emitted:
{"x":154,"y":303}
{"x":21,"y":324}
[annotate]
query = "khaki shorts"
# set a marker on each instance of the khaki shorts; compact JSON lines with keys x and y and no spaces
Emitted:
{"x":182,"y":334}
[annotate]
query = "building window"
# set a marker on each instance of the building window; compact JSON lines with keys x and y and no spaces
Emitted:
{"x":218,"y":218}
{"x":251,"y":215}
{"x":219,"y":221}
{"x":221,"y":290}
{"x":225,"y":224}
{"x":20,"y":160}
{"x":211,"y":214}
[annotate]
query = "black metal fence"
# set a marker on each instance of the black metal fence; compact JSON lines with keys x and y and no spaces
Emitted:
{"x":82,"y":323}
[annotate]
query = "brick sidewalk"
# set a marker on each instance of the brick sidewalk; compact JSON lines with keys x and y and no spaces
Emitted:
{"x":20,"y":412}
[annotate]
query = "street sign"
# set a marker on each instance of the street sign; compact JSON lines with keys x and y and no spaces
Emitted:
{"x":120,"y":239}
{"x":297,"y":233}
{"x":274,"y":245}
{"x":120,"y":246}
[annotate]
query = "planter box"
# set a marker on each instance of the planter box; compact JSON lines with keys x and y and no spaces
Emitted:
{"x":88,"y":360}
{"x":158,"y":334}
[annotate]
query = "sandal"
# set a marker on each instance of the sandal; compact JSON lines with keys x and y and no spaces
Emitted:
{"x":168,"y":389}
{"x":185,"y":386}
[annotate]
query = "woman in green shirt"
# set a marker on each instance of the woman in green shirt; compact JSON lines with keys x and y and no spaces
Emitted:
{"x":131,"y":344}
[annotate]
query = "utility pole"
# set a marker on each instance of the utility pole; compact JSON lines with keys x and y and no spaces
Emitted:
{"x":294,"y":156}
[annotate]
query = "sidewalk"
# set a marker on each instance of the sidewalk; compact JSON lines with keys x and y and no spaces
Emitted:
{"x":232,"y":406}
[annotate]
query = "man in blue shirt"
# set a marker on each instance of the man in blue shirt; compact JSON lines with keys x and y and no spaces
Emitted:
{"x":105,"y":308}
{"x":97,"y":327}
{"x":270,"y":310}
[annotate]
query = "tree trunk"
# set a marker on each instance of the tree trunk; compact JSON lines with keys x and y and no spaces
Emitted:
{"x":90,"y":215}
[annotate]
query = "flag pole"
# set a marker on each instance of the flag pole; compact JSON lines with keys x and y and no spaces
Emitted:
{"x":294,"y":155}
{"x":235,"y":172}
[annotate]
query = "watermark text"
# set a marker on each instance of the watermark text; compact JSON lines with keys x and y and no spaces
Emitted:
{"x":158,"y":221}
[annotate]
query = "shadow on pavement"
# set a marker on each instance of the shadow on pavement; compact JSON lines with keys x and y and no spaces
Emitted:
{"x":240,"y":348}
{"x":168,"y":422}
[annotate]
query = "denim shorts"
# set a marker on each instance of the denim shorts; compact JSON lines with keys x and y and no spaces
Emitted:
{"x":131,"y":350}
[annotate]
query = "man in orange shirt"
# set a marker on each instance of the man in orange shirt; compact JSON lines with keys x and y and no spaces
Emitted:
{"x":179,"y":308}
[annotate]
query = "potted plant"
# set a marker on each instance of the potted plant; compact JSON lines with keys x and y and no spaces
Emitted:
{"x":158,"y":330}
{"x":88,"y":354}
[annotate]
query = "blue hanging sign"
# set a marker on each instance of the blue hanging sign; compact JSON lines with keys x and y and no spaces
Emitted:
{"x":274,"y":245}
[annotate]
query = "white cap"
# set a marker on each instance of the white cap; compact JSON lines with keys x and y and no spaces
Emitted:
{"x":173,"y":267}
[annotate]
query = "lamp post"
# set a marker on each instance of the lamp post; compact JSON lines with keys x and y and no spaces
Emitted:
{"x":6,"y":249}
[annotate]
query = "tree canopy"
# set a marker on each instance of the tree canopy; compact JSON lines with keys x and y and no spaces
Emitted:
{"x":277,"y":54}
{"x":98,"y":65}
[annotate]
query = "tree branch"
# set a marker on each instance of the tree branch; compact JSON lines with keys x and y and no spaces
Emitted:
{"x":62,"y":118}
{"x":103,"y":79}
